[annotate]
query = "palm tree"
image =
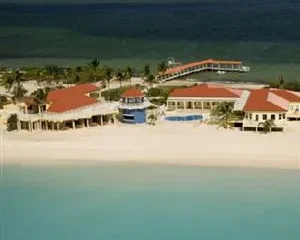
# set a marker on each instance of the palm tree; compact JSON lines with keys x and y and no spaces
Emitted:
{"x":267,"y":125}
{"x":146,"y":71}
{"x":108,"y":75}
{"x":12,"y":79}
{"x":68,"y":73}
{"x":78,"y":69}
{"x":162,"y":67}
{"x":53,"y":71}
{"x":224,"y":113}
{"x":94,"y":63}
{"x":150,"y":79}
{"x":281,"y":82}
{"x":18,"y":92}
{"x":129,"y":74}
{"x":40,"y":94}
{"x":9,"y":82}
{"x":153,"y":119}
{"x":120,"y":75}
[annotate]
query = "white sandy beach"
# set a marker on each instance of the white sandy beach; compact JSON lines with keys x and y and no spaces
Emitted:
{"x":167,"y":143}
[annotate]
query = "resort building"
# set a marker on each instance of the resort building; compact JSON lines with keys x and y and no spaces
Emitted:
{"x":132,"y":107}
{"x":206,"y":65}
{"x":203,"y":97}
{"x":73,"y":107}
{"x":293,"y":98}
{"x":268,"y":104}
{"x":259,"y":105}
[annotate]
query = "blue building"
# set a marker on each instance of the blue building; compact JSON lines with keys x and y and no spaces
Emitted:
{"x":133,"y":106}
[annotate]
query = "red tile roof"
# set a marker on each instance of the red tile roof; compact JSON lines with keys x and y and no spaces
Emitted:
{"x":71,"y":98}
{"x":205,"y":90}
{"x":78,"y":89}
{"x":288,"y":95}
{"x":194,"y":64}
{"x":258,"y":101}
{"x":133,"y":92}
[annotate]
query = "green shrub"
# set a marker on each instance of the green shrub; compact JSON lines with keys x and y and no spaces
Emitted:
{"x":3,"y":100}
{"x":159,"y":101}
{"x":114,"y":94}
{"x":12,"y":122}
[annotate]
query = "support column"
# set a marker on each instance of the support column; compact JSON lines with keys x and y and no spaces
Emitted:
{"x":46,"y":123}
{"x":30,"y":126}
{"x":73,"y":124}
{"x":101,"y":120}
{"x":115,"y":119}
{"x":19,"y":124}
{"x":211,"y":105}
{"x":57,"y":126}
{"x":87,"y":122}
{"x":202,"y":105}
{"x":53,"y":125}
{"x":193,"y":105}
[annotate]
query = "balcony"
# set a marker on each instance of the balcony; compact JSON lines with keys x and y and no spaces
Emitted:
{"x":141,"y":105}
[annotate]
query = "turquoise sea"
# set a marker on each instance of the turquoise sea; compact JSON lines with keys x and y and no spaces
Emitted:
{"x":264,"y":34}
{"x":135,"y":201}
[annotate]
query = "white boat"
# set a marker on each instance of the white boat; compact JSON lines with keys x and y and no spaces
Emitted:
{"x":221,"y":72}
{"x":172,"y":63}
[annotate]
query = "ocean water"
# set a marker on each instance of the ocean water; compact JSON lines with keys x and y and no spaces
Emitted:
{"x":264,"y":34}
{"x":135,"y":201}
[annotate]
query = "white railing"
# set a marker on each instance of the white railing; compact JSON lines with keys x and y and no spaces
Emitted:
{"x":142,"y":105}
{"x":101,"y":108}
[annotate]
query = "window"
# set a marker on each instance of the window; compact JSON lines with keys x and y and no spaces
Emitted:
{"x":273,"y":116}
{"x":256,"y":118}
{"x":250,"y":116}
{"x":189,"y":105}
{"x":127,"y":117}
{"x":280,"y":116}
{"x":283,"y":116}
{"x":198,"y":105}
{"x":265,"y":116}
{"x":180,"y":105}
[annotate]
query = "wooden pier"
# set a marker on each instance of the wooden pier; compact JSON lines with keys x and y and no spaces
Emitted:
{"x":206,"y":65}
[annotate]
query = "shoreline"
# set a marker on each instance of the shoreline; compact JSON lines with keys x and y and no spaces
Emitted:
{"x":291,"y":166}
{"x":188,"y":145}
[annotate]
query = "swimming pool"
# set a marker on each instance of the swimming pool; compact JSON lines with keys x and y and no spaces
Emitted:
{"x":184,"y":118}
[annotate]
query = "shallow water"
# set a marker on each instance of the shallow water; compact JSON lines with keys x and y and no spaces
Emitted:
{"x":137,"y":201}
